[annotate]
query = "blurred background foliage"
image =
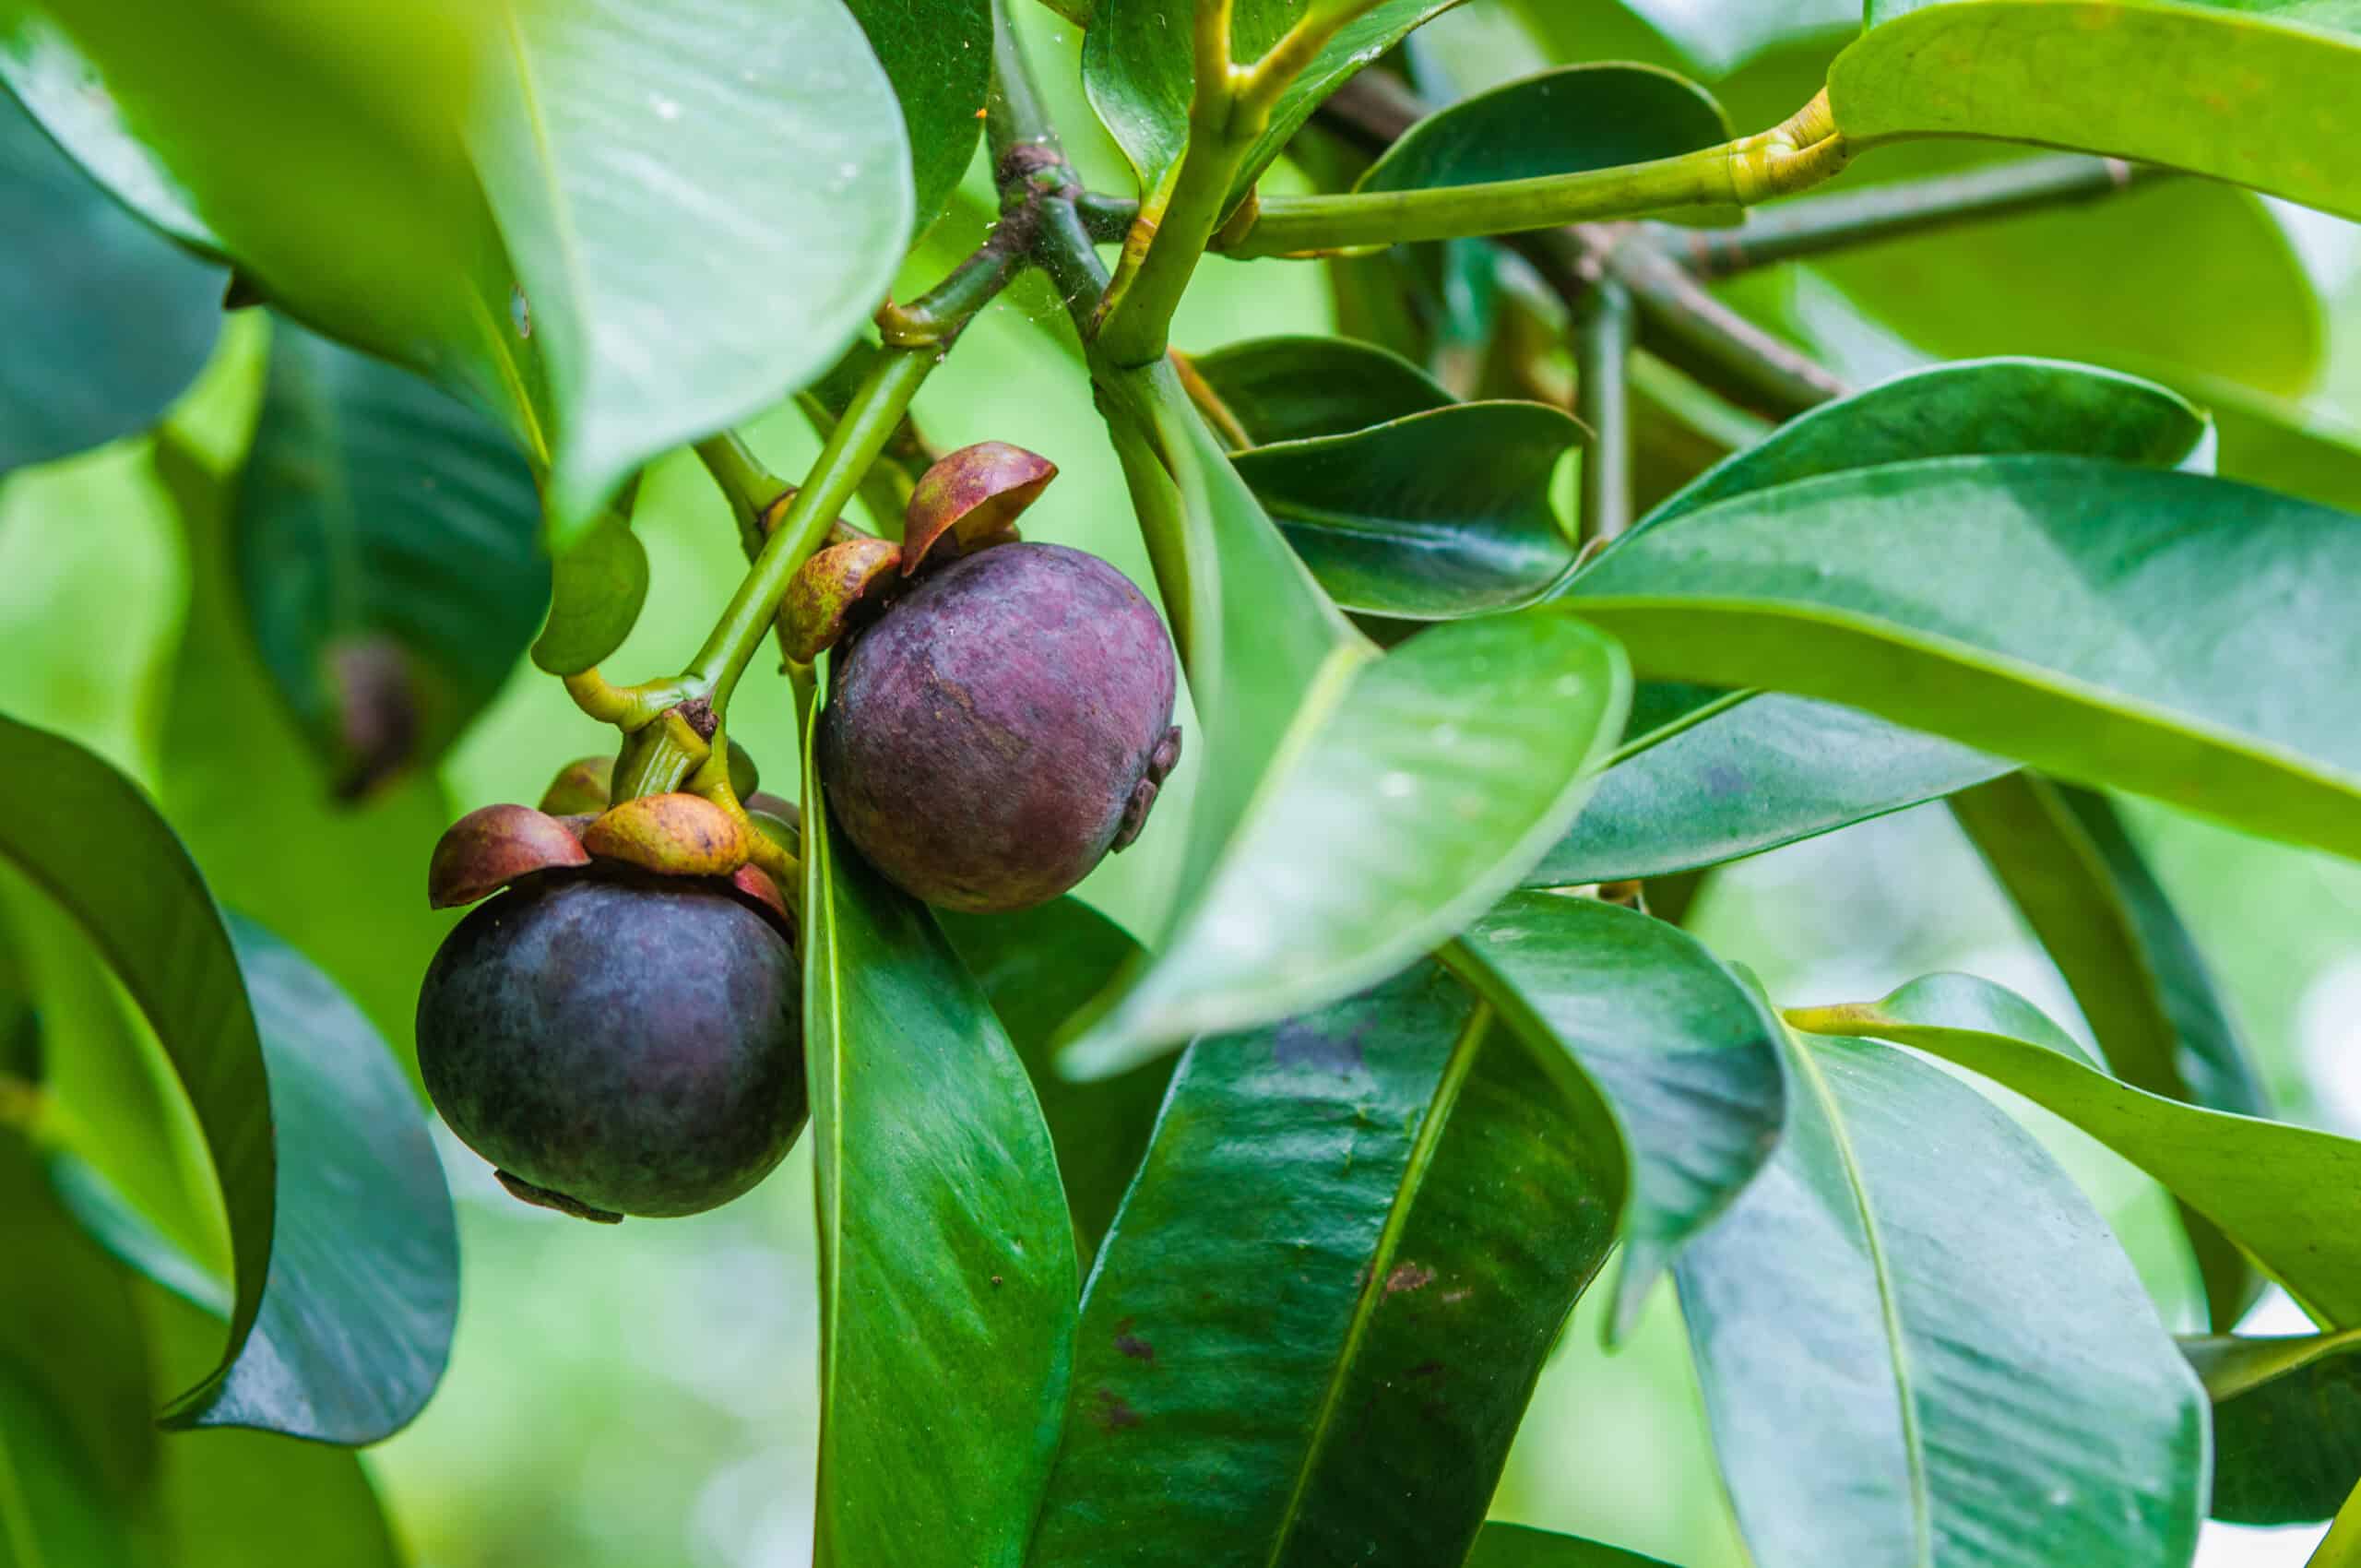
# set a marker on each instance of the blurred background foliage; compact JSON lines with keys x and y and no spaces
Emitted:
{"x":646,"y":1395}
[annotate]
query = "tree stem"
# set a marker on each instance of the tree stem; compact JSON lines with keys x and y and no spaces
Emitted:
{"x":1602,"y":341}
{"x":741,"y":477}
{"x":1879,"y":212}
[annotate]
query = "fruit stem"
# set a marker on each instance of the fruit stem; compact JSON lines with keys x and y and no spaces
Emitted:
{"x":742,"y":478}
{"x":869,"y":423}
{"x":659,"y":757}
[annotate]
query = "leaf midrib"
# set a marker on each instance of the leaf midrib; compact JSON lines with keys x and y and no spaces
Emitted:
{"x":1913,"y":1448}
{"x":1445,"y":1100}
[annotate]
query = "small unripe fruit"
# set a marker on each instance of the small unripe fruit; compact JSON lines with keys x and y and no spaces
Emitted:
{"x":1001,"y":727}
{"x":617,"y":1043}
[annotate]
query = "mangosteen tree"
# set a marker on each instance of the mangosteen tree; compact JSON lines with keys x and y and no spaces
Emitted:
{"x":1634,"y":506}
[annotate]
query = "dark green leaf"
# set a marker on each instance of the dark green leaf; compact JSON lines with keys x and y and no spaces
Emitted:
{"x":1322,"y":1309}
{"x":1685,"y":1054}
{"x":1918,"y":1343}
{"x":260,"y":816}
{"x":1994,"y":407}
{"x":947,"y":1275}
{"x":2274,"y":1189}
{"x":939,"y":55}
{"x":1137,"y":67}
{"x":701,"y":216}
{"x":345,"y":1264}
{"x":108,"y":321}
{"x":2287,"y":1424}
{"x":2102,"y":622}
{"x":1763,"y":771}
{"x":1560,"y":122}
{"x":1350,"y":810}
{"x":386,"y":555}
{"x":1437,"y":515}
{"x":1516,"y":1546}
{"x":2222,"y":91}
{"x":1040,"y":967}
{"x":1296,"y":388}
{"x":597,"y":589}
{"x":2064,"y":856}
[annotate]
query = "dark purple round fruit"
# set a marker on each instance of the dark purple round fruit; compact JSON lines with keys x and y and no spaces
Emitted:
{"x":617,"y":1044}
{"x":1000,"y":728}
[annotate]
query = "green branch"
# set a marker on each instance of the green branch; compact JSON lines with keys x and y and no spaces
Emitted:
{"x":1602,"y":341}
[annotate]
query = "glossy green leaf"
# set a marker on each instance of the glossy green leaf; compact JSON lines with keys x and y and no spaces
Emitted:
{"x":2227,"y":90}
{"x":1992,"y":406}
{"x":341,"y":187}
{"x":86,"y":1479}
{"x":2101,"y":621}
{"x":2287,"y":1424}
{"x":2273,"y":1188}
{"x":947,"y":1272}
{"x":261,"y":817}
{"x":1564,"y":121}
{"x":1296,"y":388}
{"x":2064,"y":856}
{"x":343,"y":1304}
{"x":109,"y":321}
{"x":1320,"y":1312}
{"x":1519,"y":1546}
{"x":596,"y":590}
{"x":701,"y":216}
{"x":2172,"y":277}
{"x":1919,"y":1344}
{"x":1763,"y":771}
{"x":1685,"y":1054}
{"x":386,"y":555}
{"x":1350,"y":810}
{"x":1136,"y":64}
{"x":938,"y":55}
{"x":1436,"y":516}
{"x":1040,"y":967}
{"x":1421,"y":795}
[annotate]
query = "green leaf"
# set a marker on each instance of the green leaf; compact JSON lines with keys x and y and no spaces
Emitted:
{"x":2101,"y":621}
{"x":109,"y":321}
{"x":1763,"y":771}
{"x":701,"y":216}
{"x":1350,"y":810}
{"x":947,"y":1274}
{"x":88,"y":1481}
{"x":340,"y":189}
{"x":1040,"y":967}
{"x":1994,"y":405}
{"x":1564,"y":121}
{"x":2222,"y":91}
{"x":385,"y":536}
{"x":2270,"y":442}
{"x":1137,"y":67}
{"x":938,"y":55}
{"x":1436,"y":516}
{"x":2287,"y":1424}
{"x":597,"y":587}
{"x":2272,"y":1188}
{"x":261,"y":816}
{"x":344,"y":1259}
{"x":1519,"y":1546}
{"x":1684,"y":1053}
{"x":1918,"y":1344}
{"x":1295,"y":388}
{"x":2064,"y":856}
{"x":1424,"y":791}
{"x":1320,"y":1312}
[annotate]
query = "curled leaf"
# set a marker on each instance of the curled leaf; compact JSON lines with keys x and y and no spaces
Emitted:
{"x":672,"y":835}
{"x":492,"y":847}
{"x":828,"y":588}
{"x":580,"y":786}
{"x":973,"y":494}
